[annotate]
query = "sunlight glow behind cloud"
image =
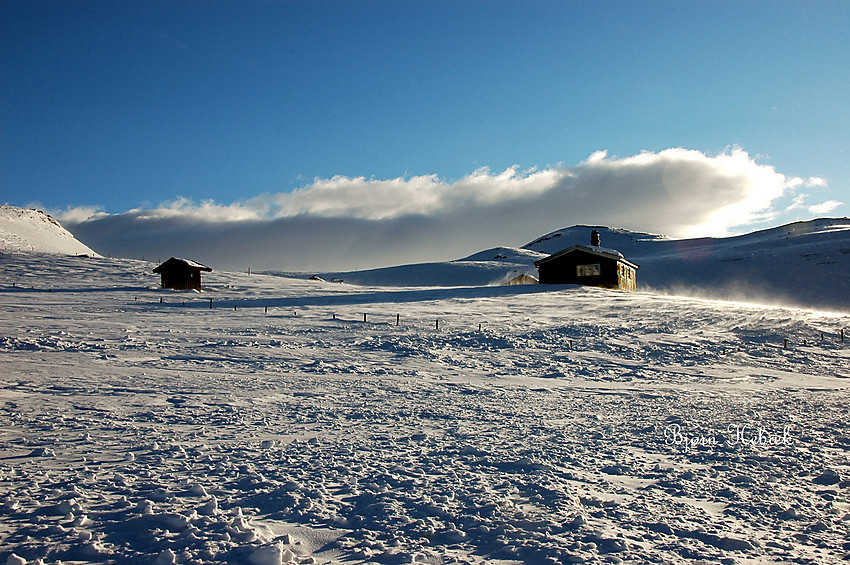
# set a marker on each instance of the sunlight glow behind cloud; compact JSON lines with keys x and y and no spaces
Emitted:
{"x":344,"y":222}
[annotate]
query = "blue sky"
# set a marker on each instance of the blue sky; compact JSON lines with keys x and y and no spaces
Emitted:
{"x":129,"y":105}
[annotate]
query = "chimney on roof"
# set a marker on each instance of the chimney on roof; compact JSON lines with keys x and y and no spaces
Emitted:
{"x":594,"y":239}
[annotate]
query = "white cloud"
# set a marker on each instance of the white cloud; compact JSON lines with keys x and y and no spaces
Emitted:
{"x":799,"y":202}
{"x":825,"y":207}
{"x":344,"y":222}
{"x":360,"y":198}
{"x":79,"y":214}
{"x":207,"y":211}
{"x":800,"y":199}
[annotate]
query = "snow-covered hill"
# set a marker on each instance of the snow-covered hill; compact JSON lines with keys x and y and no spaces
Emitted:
{"x":22,"y":229}
{"x":490,"y":267}
{"x":801,"y":264}
{"x":272,"y":420}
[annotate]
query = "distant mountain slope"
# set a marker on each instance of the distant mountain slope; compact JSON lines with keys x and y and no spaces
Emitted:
{"x":626,"y":242}
{"x":799,"y":264}
{"x":490,"y":267}
{"x":803,"y":263}
{"x":22,"y":229}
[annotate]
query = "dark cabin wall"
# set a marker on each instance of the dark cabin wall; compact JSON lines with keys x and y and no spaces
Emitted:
{"x":179,"y":279}
{"x":563,"y":270}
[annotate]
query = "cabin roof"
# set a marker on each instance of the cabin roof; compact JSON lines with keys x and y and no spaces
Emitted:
{"x":177,"y":262}
{"x":593,"y":250}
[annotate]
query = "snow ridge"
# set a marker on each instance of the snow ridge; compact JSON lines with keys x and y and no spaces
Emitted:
{"x":22,"y":229}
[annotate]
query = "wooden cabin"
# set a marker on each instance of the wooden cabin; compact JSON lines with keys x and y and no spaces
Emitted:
{"x":591,"y":265}
{"x":181,"y":274}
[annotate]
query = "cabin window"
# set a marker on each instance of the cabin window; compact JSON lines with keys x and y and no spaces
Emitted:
{"x":588,"y":270}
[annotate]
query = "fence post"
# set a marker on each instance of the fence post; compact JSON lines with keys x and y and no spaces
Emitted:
{"x":437,"y":324}
{"x":364,"y":316}
{"x":210,"y":303}
{"x":397,"y":318}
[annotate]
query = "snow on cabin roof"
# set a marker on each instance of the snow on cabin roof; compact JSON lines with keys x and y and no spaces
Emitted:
{"x":186,"y":262}
{"x":601,"y":251}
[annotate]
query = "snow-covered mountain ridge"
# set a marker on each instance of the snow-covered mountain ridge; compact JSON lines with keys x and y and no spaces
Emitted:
{"x":22,"y":229}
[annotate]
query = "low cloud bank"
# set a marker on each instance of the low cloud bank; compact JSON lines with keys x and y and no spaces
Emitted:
{"x":347,"y":223}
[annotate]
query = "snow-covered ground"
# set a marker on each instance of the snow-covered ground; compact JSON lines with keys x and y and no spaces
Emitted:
{"x":314,"y":422}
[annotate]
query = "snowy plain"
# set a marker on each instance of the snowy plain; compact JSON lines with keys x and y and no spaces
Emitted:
{"x":273,"y":419}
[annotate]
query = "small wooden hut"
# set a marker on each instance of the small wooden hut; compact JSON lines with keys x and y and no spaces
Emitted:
{"x":592,"y":265}
{"x":181,"y":274}
{"x":522,"y":278}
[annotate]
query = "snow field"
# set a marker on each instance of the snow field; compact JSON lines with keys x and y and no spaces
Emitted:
{"x":576,"y":425}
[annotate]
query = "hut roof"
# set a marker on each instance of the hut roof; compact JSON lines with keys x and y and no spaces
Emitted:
{"x":600,"y":251}
{"x":179,"y":263}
